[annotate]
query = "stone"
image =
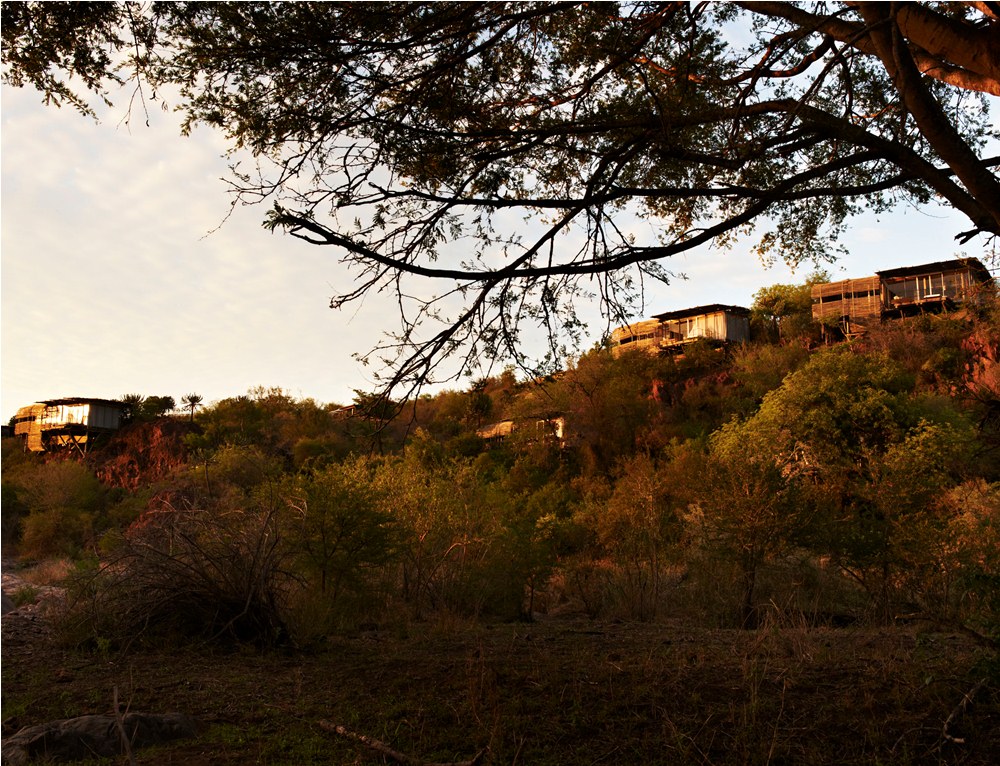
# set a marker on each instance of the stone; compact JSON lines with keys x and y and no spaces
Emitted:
{"x":93,"y":735}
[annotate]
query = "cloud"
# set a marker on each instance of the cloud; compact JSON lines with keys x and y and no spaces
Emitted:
{"x":871,"y":234}
{"x":111,"y":285}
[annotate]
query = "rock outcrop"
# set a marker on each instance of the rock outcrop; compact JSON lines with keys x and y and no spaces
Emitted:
{"x":94,"y":736}
{"x":143,"y":453}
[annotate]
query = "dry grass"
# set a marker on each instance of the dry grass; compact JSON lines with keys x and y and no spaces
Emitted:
{"x":51,"y":572}
{"x":562,"y":691}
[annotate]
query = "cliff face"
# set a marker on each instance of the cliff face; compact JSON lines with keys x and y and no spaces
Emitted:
{"x":142,"y":453}
{"x":984,"y":371}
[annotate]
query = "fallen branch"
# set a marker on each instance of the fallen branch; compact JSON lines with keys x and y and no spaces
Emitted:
{"x":394,"y":755}
{"x":959,"y":709}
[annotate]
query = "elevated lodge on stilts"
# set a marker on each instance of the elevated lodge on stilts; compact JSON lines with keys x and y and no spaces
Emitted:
{"x":672,"y":330}
{"x":854,"y":304}
{"x":73,"y":422}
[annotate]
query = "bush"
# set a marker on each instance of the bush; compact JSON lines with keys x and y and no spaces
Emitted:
{"x":55,"y":532}
{"x":62,"y":499}
{"x":188,"y":574}
{"x":13,"y":511}
{"x":340,"y":537}
{"x":961,"y":574}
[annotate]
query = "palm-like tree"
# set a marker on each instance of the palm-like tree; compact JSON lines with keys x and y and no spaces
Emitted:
{"x":134,"y":404}
{"x":191,"y":401}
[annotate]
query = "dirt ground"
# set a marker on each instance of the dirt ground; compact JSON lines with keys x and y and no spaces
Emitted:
{"x":559,"y":691}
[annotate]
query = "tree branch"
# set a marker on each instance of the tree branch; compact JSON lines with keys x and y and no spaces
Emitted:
{"x":975,"y":71}
{"x":930,"y":118}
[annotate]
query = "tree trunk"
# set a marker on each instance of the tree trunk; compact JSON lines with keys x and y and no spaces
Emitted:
{"x":748,"y":576}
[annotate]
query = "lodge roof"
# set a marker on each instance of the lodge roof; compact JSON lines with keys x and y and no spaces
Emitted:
{"x":711,"y":308}
{"x":73,"y":400}
{"x":973,"y":264}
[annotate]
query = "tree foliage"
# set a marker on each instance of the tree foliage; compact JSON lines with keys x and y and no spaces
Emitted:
{"x":867,"y":461}
{"x":153,"y":407}
{"x":839,"y":483}
{"x":336,"y":524}
{"x":62,"y":501}
{"x":499,"y":149}
{"x":192,"y":402}
{"x":785,"y":311}
{"x":745,"y":510}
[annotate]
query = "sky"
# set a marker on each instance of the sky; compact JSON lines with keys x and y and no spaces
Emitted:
{"x":116,"y":276}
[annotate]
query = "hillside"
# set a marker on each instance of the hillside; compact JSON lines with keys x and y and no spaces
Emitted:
{"x":142,"y":454}
{"x":760,"y":525}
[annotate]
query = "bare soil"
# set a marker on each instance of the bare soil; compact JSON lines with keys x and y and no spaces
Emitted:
{"x":560,"y":691}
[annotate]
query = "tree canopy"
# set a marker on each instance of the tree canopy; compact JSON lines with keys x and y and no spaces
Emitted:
{"x":485,"y":162}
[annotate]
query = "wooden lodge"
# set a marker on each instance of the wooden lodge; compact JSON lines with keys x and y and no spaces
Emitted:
{"x":70,"y":422}
{"x":533,"y":428}
{"x":672,"y":330}
{"x":854,"y":303}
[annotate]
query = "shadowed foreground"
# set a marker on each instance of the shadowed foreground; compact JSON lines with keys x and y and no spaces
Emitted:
{"x":560,"y":691}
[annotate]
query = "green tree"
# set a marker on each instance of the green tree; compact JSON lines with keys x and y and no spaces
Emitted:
{"x":153,"y":407}
{"x":638,"y":526}
{"x":832,"y":414}
{"x":17,"y":462}
{"x":864,"y":458}
{"x":784,"y":312}
{"x":912,"y":519}
{"x":375,"y":420}
{"x":236,"y":421}
{"x":13,"y":510}
{"x":967,"y":560}
{"x":469,"y":545}
{"x":133,"y":402}
{"x":480,"y":407}
{"x":610,"y":403}
{"x":64,"y":501}
{"x":759,"y":369}
{"x":707,"y":120}
{"x":338,"y":529}
{"x":745,"y":511}
{"x":310,"y":453}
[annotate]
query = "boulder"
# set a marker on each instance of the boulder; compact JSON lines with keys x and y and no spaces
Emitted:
{"x":93,"y":735}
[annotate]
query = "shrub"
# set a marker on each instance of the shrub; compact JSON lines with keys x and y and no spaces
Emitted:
{"x":13,"y":511}
{"x":190,"y":574}
{"x":55,"y":532}
{"x":967,"y":562}
{"x":337,"y":531}
{"x":62,"y":499}
{"x":26,"y":594}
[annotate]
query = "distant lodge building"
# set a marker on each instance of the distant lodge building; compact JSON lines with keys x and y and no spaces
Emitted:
{"x":536,"y":428}
{"x":71,"y":422}
{"x":674,"y":329}
{"x":854,"y":303}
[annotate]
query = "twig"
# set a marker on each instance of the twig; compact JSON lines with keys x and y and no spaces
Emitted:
{"x":394,"y":755}
{"x":126,"y":744}
{"x":959,"y":709}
